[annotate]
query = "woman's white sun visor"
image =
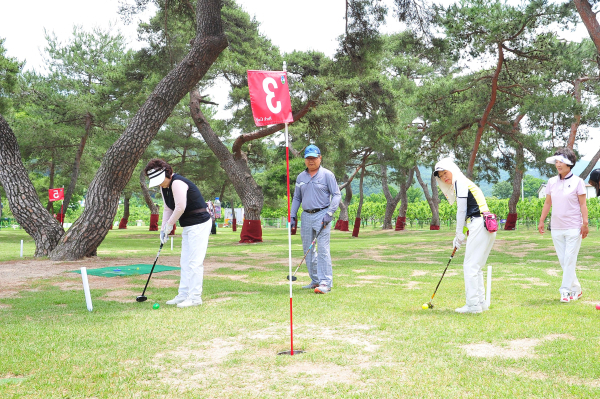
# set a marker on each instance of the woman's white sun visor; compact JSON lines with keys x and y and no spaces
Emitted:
{"x":156,"y":177}
{"x":561,"y":158}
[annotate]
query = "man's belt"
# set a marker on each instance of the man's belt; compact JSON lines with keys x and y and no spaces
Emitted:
{"x":314,"y":210}
{"x":192,"y":212}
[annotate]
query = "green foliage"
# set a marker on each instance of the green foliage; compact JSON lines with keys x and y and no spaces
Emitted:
{"x":9,"y":70}
{"x":502,"y":190}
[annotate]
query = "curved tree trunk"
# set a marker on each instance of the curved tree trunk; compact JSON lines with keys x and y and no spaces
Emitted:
{"x":148,"y":200}
{"x":432,"y":199}
{"x":22,"y":197}
{"x":118,"y":164}
{"x":236,"y":165}
{"x":590,"y":166}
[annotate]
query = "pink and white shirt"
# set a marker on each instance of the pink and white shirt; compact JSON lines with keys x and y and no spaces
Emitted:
{"x":566,"y":211}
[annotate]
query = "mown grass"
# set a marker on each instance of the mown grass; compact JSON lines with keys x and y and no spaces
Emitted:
{"x":368,"y":338}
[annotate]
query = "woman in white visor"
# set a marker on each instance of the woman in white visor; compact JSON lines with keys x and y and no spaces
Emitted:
{"x":183,"y":202}
{"x":470,"y":204}
{"x":565,"y":194}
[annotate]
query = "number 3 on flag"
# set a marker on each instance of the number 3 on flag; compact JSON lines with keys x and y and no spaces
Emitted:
{"x":270,"y":97}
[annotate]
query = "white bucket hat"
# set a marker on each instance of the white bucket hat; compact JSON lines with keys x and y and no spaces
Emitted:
{"x":156,"y":176}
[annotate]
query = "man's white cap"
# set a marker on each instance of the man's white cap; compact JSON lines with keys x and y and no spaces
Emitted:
{"x":561,"y":158}
{"x":156,"y":177}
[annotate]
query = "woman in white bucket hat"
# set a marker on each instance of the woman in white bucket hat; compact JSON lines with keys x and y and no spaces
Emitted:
{"x":565,"y":194}
{"x":470,"y":204}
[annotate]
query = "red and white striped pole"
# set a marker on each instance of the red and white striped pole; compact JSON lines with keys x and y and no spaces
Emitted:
{"x":287,"y":161}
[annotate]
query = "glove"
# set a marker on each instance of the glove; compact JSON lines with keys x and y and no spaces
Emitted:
{"x":293,"y":222}
{"x":164,"y":233}
{"x":459,"y":241}
{"x":327,"y":219}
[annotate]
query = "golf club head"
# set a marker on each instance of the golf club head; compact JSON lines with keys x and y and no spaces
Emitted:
{"x":294,"y":278}
{"x":141,"y":298}
{"x":430,"y":305}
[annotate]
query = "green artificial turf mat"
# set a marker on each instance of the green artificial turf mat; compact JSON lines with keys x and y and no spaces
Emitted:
{"x":129,"y":270}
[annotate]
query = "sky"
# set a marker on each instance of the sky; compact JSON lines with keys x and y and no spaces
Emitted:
{"x":291,"y":25}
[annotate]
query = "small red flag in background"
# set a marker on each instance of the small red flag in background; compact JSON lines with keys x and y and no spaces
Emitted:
{"x":270,"y":97}
{"x":56,"y":194}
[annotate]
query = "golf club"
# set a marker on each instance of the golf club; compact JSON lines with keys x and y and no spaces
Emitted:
{"x":293,"y":277}
{"x":430,"y":304}
{"x":142,"y":298}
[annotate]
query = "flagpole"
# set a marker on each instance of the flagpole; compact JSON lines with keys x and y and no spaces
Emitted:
{"x":287,"y":161}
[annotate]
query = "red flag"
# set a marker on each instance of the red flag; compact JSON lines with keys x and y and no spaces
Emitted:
{"x":56,"y":194}
{"x":270,"y":97}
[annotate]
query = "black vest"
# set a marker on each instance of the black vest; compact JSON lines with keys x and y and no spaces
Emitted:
{"x":194,"y":201}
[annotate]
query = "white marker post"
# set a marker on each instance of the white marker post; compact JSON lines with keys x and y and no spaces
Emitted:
{"x":488,"y":291}
{"x":86,"y":289}
{"x":21,"y":248}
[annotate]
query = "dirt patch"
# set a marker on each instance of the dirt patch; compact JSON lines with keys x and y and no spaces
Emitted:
{"x":4,"y":306}
{"x":553,"y":272}
{"x":418,"y":273}
{"x":531,"y":281}
{"x":413,"y":285}
{"x":217,"y":300}
{"x":515,"y":349}
{"x":16,"y":276}
{"x":123,"y":296}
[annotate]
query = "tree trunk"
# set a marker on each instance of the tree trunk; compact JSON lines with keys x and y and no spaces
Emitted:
{"x":516,"y":194}
{"x":118,"y":164}
{"x":360,"y":201}
{"x":77,"y":163}
{"x":391,"y":202}
{"x":432,"y":199}
{"x":590,"y":166}
{"x":151,"y":205}
{"x":344,"y":204}
{"x":584,"y":8}
{"x":235,"y":164}
{"x":125,"y":218}
{"x":486,"y":113}
{"x":576,"y":122}
{"x":237,"y":170}
{"x":404,"y":186}
{"x":22,"y":197}
{"x":50,"y":206}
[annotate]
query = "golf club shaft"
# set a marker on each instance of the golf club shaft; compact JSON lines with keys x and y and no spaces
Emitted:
{"x":449,"y":260}
{"x":151,"y":270}
{"x":309,"y":248}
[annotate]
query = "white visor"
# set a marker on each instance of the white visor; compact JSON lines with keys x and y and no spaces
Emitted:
{"x":561,"y":158}
{"x":156,"y":177}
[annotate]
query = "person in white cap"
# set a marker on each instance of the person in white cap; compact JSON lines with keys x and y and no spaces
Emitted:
{"x":183,"y":202}
{"x":565,"y":194}
{"x":470,"y":204}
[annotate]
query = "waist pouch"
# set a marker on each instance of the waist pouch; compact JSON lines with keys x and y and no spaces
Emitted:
{"x":490,"y":221}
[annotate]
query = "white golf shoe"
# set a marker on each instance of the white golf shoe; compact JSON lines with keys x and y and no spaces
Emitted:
{"x":469,"y":309}
{"x":176,"y":301}
{"x":189,"y":302}
{"x":484,"y":306}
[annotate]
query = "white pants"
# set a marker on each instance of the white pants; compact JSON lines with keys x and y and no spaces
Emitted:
{"x":479,"y":245}
{"x":194,"y":241}
{"x":567,"y":243}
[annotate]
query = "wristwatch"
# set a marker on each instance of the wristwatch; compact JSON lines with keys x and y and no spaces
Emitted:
{"x":330,"y":213}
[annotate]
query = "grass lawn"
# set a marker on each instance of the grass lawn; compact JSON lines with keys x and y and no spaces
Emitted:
{"x":368,"y":338}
